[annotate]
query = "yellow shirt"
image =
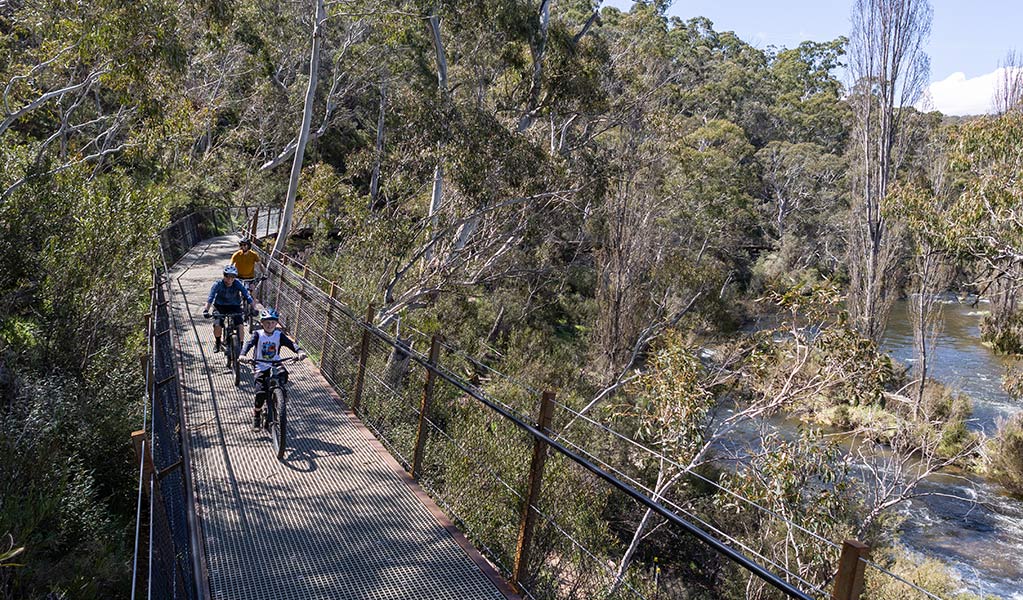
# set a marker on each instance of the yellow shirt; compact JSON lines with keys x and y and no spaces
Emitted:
{"x":246,"y":263}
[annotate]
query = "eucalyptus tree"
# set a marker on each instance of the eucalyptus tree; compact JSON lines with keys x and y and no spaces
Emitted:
{"x":319,"y":22}
{"x":984,"y":221}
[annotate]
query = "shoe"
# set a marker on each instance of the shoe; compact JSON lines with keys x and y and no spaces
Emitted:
{"x":218,"y":347}
{"x":257,"y":419}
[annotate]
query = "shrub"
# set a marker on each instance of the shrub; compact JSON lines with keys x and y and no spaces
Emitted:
{"x":931,"y":575}
{"x":1005,"y":454}
{"x":1012,"y":382}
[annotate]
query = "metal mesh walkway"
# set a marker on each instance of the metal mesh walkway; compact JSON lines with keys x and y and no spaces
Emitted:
{"x":334,"y":519}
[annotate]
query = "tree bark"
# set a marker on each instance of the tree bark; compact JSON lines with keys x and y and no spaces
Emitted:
{"x":538,"y":50}
{"x":437,"y":195}
{"x":319,"y":20}
{"x":374,"y":184}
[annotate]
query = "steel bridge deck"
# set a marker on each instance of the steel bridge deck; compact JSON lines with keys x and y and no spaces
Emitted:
{"x":336,"y":518}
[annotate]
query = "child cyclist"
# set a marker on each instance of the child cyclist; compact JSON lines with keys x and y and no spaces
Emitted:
{"x":266,"y":344}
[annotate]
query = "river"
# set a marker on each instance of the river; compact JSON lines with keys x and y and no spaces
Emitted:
{"x":982,"y":541}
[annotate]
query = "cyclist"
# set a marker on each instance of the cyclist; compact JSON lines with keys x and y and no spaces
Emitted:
{"x":245,"y":260}
{"x":267,"y":343}
{"x":226,"y":296}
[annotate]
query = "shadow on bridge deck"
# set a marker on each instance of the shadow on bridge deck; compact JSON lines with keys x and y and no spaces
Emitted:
{"x":336,"y":518}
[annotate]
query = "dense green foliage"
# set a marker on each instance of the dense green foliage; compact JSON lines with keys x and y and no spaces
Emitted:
{"x":593,"y":205}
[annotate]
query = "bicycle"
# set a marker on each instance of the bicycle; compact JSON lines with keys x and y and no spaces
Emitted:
{"x":275,"y":413}
{"x":253,"y":284}
{"x":232,"y":341}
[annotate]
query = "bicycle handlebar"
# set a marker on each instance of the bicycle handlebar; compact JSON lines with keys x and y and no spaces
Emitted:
{"x":271,"y":361}
{"x":215,"y":314}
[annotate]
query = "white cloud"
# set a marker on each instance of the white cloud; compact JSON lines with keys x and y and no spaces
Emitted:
{"x":957,"y":95}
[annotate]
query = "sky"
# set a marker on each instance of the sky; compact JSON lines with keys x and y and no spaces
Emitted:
{"x":968,"y":42}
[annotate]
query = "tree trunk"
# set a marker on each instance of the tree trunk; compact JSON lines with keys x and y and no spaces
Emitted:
{"x":320,"y":18}
{"x":374,"y":184}
{"x":538,"y":50}
{"x":437,"y":196}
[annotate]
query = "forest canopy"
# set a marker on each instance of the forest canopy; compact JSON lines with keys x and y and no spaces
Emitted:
{"x":590,"y":199}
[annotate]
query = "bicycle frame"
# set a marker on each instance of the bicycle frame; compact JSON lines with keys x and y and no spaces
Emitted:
{"x":232,"y":340}
{"x":275,"y":417}
{"x":253,"y":285}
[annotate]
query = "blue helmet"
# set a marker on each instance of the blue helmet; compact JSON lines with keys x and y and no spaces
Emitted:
{"x":231,"y":270}
{"x":269,"y":314}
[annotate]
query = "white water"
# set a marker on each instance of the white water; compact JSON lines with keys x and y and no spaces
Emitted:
{"x":982,"y":541}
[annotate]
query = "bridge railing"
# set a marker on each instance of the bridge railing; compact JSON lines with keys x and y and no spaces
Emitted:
{"x":169,"y":560}
{"x":488,"y":453}
{"x":166,"y":563}
{"x":482,"y":454}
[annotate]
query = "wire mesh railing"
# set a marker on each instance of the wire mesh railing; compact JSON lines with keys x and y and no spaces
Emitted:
{"x":471,"y":449}
{"x":168,"y":561}
{"x":166,"y":565}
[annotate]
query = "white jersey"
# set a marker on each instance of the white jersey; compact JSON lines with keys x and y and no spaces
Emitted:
{"x":268,"y":347}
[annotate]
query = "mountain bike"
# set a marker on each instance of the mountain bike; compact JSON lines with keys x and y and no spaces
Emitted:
{"x":275,"y":413}
{"x":232,"y":340}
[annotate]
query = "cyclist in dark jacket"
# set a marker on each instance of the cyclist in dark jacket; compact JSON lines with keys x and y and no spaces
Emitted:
{"x":226,"y":296}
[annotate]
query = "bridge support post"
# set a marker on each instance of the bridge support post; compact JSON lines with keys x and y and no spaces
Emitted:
{"x":283,"y":266}
{"x":143,"y":454}
{"x":326,"y":329}
{"x":301,"y":298}
{"x":528,"y":520}
{"x":255,"y":224}
{"x":360,"y":375}
{"x":424,"y":410}
{"x":849,"y":581}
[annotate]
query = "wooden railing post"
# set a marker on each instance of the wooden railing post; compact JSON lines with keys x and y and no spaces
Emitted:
{"x":424,"y":410}
{"x":301,"y":298}
{"x":360,"y":375}
{"x":528,"y":520}
{"x":283,"y":265}
{"x":143,"y":454}
{"x":327,"y":326}
{"x":255,"y":224}
{"x":849,"y":581}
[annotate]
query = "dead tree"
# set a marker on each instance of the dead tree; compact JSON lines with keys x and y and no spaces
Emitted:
{"x":1009,"y":93}
{"x":889,"y":69}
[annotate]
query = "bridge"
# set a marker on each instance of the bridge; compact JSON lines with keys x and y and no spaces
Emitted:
{"x":382,"y":492}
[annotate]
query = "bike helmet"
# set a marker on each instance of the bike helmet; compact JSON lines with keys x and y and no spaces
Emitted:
{"x":231,"y":270}
{"x":269,"y":314}
{"x":245,"y":242}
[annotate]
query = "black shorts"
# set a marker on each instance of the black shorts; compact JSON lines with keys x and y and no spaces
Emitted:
{"x":262,"y":377}
{"x":229,"y":309}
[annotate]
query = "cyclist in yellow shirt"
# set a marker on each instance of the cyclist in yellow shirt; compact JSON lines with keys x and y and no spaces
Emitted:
{"x":245,"y":260}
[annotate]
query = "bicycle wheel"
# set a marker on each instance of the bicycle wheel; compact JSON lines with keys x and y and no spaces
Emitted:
{"x":269,"y":412}
{"x":279,"y":426}
{"x":233,"y":351}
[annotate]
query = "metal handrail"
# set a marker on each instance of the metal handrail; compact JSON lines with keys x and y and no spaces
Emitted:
{"x":536,"y":433}
{"x":473,"y":392}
